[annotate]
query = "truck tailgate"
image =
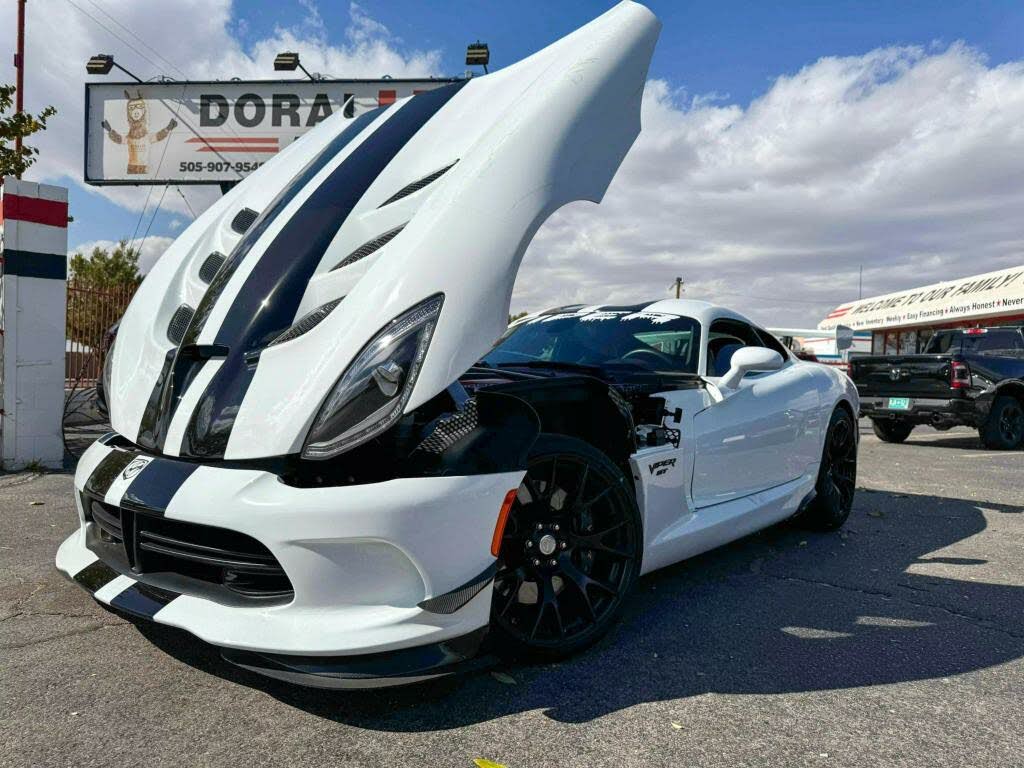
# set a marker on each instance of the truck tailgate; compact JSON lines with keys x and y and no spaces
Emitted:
{"x":903,"y":375}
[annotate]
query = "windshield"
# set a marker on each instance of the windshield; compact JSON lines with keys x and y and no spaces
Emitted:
{"x":602,"y":338}
{"x":979,"y":341}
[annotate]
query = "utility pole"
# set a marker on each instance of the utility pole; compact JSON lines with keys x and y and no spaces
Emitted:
{"x":679,"y":287}
{"x":19,"y":63}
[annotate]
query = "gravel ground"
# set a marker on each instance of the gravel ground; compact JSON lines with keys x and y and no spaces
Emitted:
{"x":897,"y":641}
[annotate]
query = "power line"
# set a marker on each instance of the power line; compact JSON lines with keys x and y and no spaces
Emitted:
{"x":142,"y":42}
{"x":112,"y":33}
{"x":153,"y":218}
{"x":187,"y":204}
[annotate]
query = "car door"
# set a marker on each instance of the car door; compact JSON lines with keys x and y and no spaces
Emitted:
{"x":759,"y":435}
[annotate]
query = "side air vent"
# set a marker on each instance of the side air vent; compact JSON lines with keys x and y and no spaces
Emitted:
{"x":306,"y":323}
{"x":210,"y":266}
{"x":179,"y":323}
{"x":366,"y":249}
{"x":416,"y":186}
{"x":243,"y":220}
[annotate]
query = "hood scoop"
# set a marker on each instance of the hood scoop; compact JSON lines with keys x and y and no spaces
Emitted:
{"x":244,"y":219}
{"x":367,"y":248}
{"x":416,"y":186}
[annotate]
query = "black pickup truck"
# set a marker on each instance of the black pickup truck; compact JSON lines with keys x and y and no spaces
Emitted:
{"x":971,"y":376}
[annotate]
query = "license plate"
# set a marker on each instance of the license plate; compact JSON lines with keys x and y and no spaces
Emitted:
{"x":899,"y":403}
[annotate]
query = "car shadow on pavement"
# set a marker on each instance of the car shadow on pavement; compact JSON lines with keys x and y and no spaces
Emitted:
{"x":778,"y":612}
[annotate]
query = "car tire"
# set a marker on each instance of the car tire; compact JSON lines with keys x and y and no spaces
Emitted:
{"x":1003,"y":430}
{"x":837,"y":476}
{"x":891,"y":431}
{"x":570,"y":552}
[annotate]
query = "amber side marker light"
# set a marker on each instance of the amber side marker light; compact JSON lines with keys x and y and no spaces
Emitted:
{"x":499,"y":527}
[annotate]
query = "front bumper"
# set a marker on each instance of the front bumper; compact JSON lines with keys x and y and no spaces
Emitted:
{"x":924,"y":410}
{"x":365,"y":563}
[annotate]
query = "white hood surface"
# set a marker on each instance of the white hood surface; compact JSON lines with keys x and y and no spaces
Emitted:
{"x":439,"y":193}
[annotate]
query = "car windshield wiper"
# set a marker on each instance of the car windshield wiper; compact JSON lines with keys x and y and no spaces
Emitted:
{"x":553,"y":364}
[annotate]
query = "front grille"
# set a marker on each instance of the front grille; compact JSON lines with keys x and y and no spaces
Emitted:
{"x":150,"y":544}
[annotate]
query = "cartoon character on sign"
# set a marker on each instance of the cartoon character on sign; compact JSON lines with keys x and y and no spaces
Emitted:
{"x":139,"y":138}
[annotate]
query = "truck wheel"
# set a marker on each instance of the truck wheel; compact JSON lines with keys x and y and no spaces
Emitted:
{"x":891,"y":431}
{"x":1004,"y":427}
{"x":837,"y":476}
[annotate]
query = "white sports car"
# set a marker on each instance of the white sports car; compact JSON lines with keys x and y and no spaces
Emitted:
{"x":322,"y":463}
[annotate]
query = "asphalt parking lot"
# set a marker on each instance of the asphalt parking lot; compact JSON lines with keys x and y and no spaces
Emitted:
{"x":897,"y":641}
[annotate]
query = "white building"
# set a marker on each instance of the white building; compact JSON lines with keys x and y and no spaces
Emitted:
{"x":903,"y":322}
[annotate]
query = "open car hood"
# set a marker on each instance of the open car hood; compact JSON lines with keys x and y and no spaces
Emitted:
{"x":437,"y":194}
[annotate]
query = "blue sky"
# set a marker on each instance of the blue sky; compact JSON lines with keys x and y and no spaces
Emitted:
{"x":732,"y":50}
{"x":786,"y":145}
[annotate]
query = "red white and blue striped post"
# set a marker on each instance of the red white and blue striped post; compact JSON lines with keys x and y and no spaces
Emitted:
{"x":33,"y":292}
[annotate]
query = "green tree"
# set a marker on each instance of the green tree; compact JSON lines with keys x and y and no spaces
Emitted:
{"x":14,"y":162}
{"x":513,"y":318}
{"x":118,"y":268}
{"x":100,"y":286}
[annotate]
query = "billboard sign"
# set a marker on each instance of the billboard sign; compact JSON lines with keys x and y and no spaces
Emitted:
{"x":993,"y":294}
{"x":214,"y":132}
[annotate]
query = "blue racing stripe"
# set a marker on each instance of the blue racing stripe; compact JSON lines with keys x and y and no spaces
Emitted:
{"x":269,"y":299}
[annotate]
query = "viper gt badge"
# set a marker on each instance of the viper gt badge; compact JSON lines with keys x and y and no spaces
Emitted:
{"x":356,"y":473}
{"x":663,"y":466}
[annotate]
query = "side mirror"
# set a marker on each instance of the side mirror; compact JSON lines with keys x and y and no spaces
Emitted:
{"x":750,"y":360}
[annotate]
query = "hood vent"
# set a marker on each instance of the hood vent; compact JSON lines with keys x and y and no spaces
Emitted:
{"x":243,"y":220}
{"x":210,"y":265}
{"x":179,"y":323}
{"x":416,"y":186}
{"x":306,"y":323}
{"x":367,"y":248}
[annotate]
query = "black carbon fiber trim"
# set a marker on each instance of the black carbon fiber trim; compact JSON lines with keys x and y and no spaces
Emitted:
{"x":244,"y":219}
{"x":452,"y":601}
{"x":179,"y":323}
{"x":452,"y":429}
{"x":211,"y":264}
{"x":417,"y":185}
{"x":369,"y":247}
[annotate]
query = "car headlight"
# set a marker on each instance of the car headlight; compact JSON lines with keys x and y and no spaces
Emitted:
{"x":372,"y":392}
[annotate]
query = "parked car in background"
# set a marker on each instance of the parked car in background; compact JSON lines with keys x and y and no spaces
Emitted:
{"x":965,"y":376}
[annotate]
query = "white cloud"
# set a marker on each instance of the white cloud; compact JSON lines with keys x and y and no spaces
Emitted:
{"x":151,"y":248}
{"x":61,"y":37}
{"x":907,"y":162}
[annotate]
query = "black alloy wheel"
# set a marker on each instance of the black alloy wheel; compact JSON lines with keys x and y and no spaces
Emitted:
{"x":570,"y":552}
{"x":1004,"y":428}
{"x":837,"y":476}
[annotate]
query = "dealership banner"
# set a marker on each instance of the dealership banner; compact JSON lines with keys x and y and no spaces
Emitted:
{"x":994,"y":294}
{"x":214,"y":132}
